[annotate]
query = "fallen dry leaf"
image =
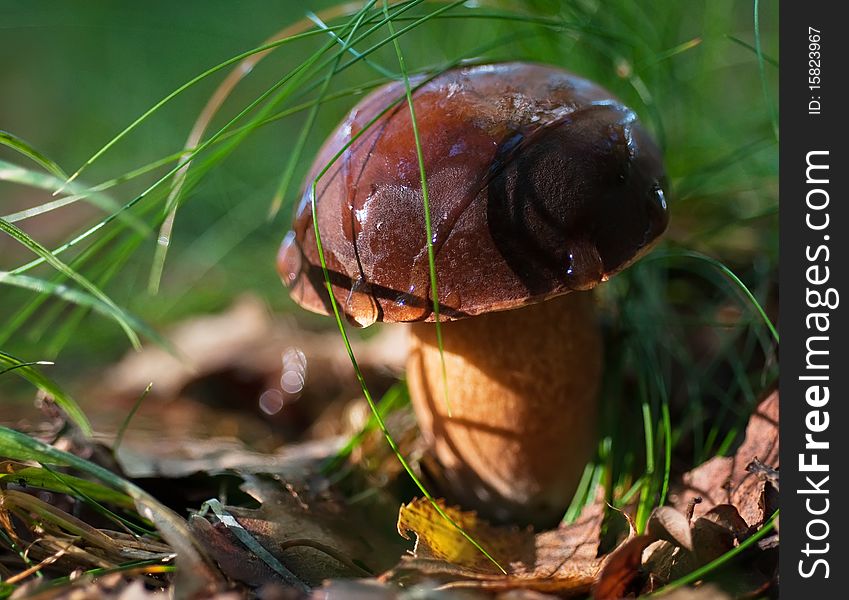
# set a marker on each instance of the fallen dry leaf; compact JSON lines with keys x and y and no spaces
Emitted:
{"x":314,"y":534}
{"x":664,"y":562}
{"x":562,"y":561}
{"x":438,"y":539}
{"x":666,"y":523}
{"x":716,"y":532}
{"x":711,"y":535}
{"x":726,"y":480}
{"x":232,"y":559}
{"x":621,"y":569}
{"x":671,"y":548}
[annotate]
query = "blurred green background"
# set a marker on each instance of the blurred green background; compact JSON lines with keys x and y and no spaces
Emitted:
{"x":73,"y":74}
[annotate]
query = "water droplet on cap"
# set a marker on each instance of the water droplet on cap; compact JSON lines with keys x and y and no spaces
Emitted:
{"x":409,"y":305}
{"x":360,"y":307}
{"x":659,"y":196}
{"x":452,"y":300}
{"x":289,"y":259}
{"x":585,"y":268}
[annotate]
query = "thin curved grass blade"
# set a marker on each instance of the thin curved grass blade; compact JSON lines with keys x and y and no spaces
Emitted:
{"x":770,"y":106}
{"x":372,"y":406}
{"x":286,"y":85}
{"x":768,"y":59}
{"x":21,"y":175}
{"x":171,"y":526}
{"x":46,"y":385}
{"x":730,"y":275}
{"x":346,"y":341}
{"x":114,"y":311}
{"x":12,"y":141}
{"x":189,"y":84}
{"x":351,"y":50}
{"x":300,"y":142}
{"x":119,"y":437}
{"x":47,"y":479}
{"x":431,"y":259}
{"x":79,"y":298}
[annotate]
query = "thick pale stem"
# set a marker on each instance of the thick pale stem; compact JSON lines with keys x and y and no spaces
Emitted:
{"x":522,"y":386}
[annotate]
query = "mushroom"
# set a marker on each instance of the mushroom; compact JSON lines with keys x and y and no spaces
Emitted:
{"x":541,"y":185}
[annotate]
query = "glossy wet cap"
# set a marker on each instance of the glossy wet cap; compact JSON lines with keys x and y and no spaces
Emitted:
{"x":540,"y":183}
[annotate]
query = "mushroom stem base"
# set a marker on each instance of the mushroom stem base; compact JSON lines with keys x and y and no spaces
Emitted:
{"x":522,"y":387}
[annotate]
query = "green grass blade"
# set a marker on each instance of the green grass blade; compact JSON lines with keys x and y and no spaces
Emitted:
{"x":667,"y":450}
{"x":34,"y":363}
{"x":92,"y":255}
{"x":82,"y":494}
{"x":59,"y":328}
{"x":15,"y":143}
{"x":672,"y":52}
{"x":394,"y":397}
{"x":46,"y":479}
{"x":769,"y":60}
{"x":112,"y":309}
{"x":773,"y":117}
{"x":645,"y":505}
{"x":21,"y":175}
{"x":189,"y":84}
{"x":728,"y":273}
{"x":79,"y":298}
{"x":434,"y":290}
{"x":581,"y":493}
{"x":7,"y":589}
{"x":300,"y":142}
{"x":119,"y":437}
{"x":172,"y":527}
{"x":374,"y":410}
{"x":46,"y":385}
{"x":378,"y":68}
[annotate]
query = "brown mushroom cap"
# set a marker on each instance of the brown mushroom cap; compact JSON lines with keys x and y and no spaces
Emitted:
{"x":540,"y":182}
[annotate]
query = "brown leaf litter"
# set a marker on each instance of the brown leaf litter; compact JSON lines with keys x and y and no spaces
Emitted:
{"x":316,"y":534}
{"x":727,"y":479}
{"x":721,"y":503}
{"x":562,"y":561}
